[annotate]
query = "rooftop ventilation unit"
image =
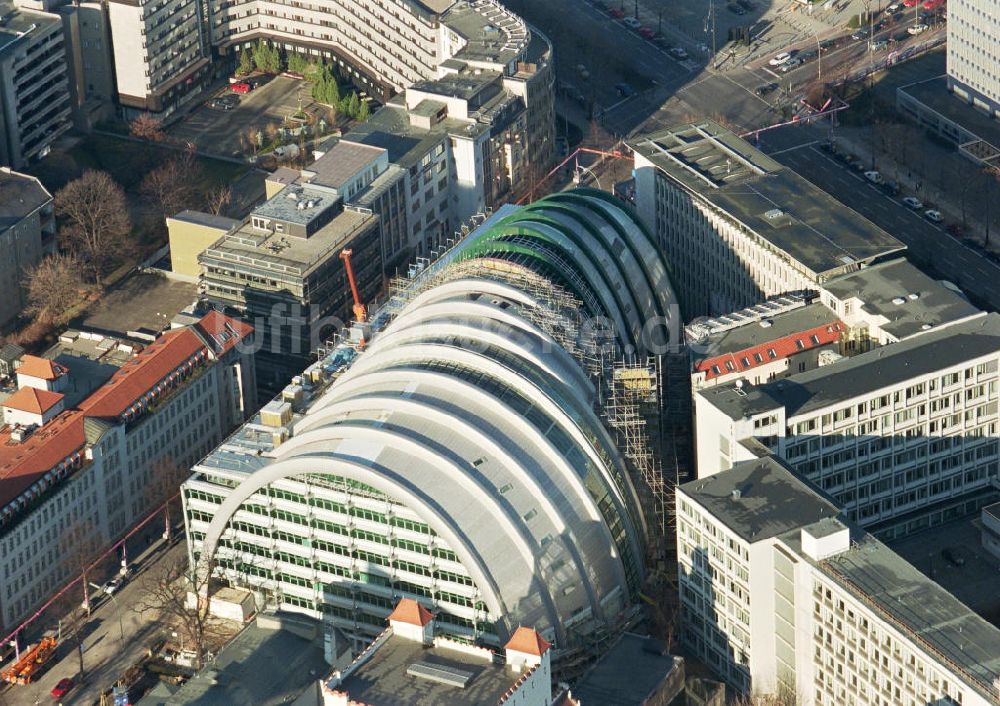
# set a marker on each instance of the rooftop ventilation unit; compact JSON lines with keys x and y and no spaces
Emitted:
{"x":440,"y":673}
{"x":774,"y":214}
{"x":898,"y":301}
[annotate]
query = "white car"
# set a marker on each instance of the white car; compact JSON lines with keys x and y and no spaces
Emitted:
{"x":891,"y":10}
{"x":874,"y":177}
{"x":780,"y":59}
{"x":918,"y":29}
{"x":913,"y":202}
{"x":632,"y":22}
{"x":933,"y":215}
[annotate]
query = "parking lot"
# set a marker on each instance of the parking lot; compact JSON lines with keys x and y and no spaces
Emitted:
{"x":229,"y":133}
{"x":975,"y":581}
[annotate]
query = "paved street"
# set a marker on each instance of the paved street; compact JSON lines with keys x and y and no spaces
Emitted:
{"x":929,"y":245}
{"x":109,"y":646}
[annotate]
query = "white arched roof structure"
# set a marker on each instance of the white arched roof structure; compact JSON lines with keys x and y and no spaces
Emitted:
{"x":467,"y":412}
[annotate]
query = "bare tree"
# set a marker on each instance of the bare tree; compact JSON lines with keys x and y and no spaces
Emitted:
{"x":164,"y":486}
{"x":95,"y":221}
{"x":147,"y":127}
{"x":80,"y":544}
{"x":217,"y":199}
{"x":54,"y":285}
{"x":172,"y":186}
{"x":179,"y":593}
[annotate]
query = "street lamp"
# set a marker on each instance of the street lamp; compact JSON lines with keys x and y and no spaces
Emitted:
{"x":118,"y":608}
{"x":581,"y":168}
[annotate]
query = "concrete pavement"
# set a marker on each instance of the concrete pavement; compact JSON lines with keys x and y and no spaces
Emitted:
{"x":114,"y":637}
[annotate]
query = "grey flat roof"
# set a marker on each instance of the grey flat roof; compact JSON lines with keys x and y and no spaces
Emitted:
{"x":390,"y":129}
{"x":285,"y":206}
{"x":752,"y":334}
{"x":21,"y":21}
{"x":865,"y":373}
{"x":627,"y":674}
{"x":772,"y":500}
{"x":493,"y":33}
{"x":280,"y":253}
{"x":19,"y":194}
{"x":260,"y":667}
{"x":930,"y":615}
{"x":464,"y":86}
{"x":206,"y":219}
{"x":812,"y":227}
{"x":993,"y":511}
{"x":934,"y":94}
{"x":382,"y":680}
{"x":342,"y":162}
{"x":881,"y":286}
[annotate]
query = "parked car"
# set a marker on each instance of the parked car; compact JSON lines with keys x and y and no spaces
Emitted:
{"x":879,"y":45}
{"x":632,"y":22}
{"x":780,"y":59}
{"x":735,"y":9}
{"x":624,"y":90}
{"x":918,"y":29}
{"x":229,"y":101}
{"x":913,"y":202}
{"x":893,"y":8}
{"x":956,"y":229}
{"x":789,"y":65}
{"x":933,"y":215}
{"x":766,"y":88}
{"x":616,"y":12}
{"x":874,"y":177}
{"x":62,"y":688}
{"x":646,"y":33}
{"x":241,"y":87}
{"x":679,"y":53}
{"x":953,"y":557}
{"x":860,"y":34}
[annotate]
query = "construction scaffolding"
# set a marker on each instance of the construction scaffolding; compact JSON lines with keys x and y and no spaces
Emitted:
{"x":633,"y":408}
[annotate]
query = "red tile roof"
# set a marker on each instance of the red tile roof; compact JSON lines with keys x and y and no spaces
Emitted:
{"x":29,"y":399}
{"x":33,"y":366}
{"x":782,"y":348}
{"x":21,"y":465}
{"x":223,"y":331}
{"x":410,"y":612}
{"x":528,"y":641}
{"x":142,"y":373}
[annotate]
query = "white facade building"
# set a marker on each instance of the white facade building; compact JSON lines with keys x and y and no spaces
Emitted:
{"x":87,"y":474}
{"x":34,"y":87}
{"x":901,"y":437}
{"x":161,"y":56}
{"x":738,"y":227}
{"x":973,"y":54}
{"x":779,"y":595}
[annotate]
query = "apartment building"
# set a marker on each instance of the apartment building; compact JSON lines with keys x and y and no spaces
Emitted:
{"x":902,"y":437}
{"x":282,"y":271}
{"x":34,"y":99}
{"x":973,"y":55}
{"x":737,"y":226}
{"x":90,"y":62}
{"x":161,"y":54}
{"x":27,"y":233}
{"x":779,"y":594}
{"x":84,"y":475}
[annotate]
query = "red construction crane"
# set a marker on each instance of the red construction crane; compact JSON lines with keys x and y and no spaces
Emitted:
{"x":359,"y":309}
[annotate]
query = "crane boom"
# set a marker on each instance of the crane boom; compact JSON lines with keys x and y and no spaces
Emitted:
{"x":359,"y":309}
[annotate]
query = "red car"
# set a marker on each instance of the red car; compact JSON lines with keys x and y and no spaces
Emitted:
{"x":242,"y":87}
{"x":932,"y":4}
{"x":62,"y":688}
{"x":646,"y":33}
{"x":909,"y":3}
{"x":616,"y":12}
